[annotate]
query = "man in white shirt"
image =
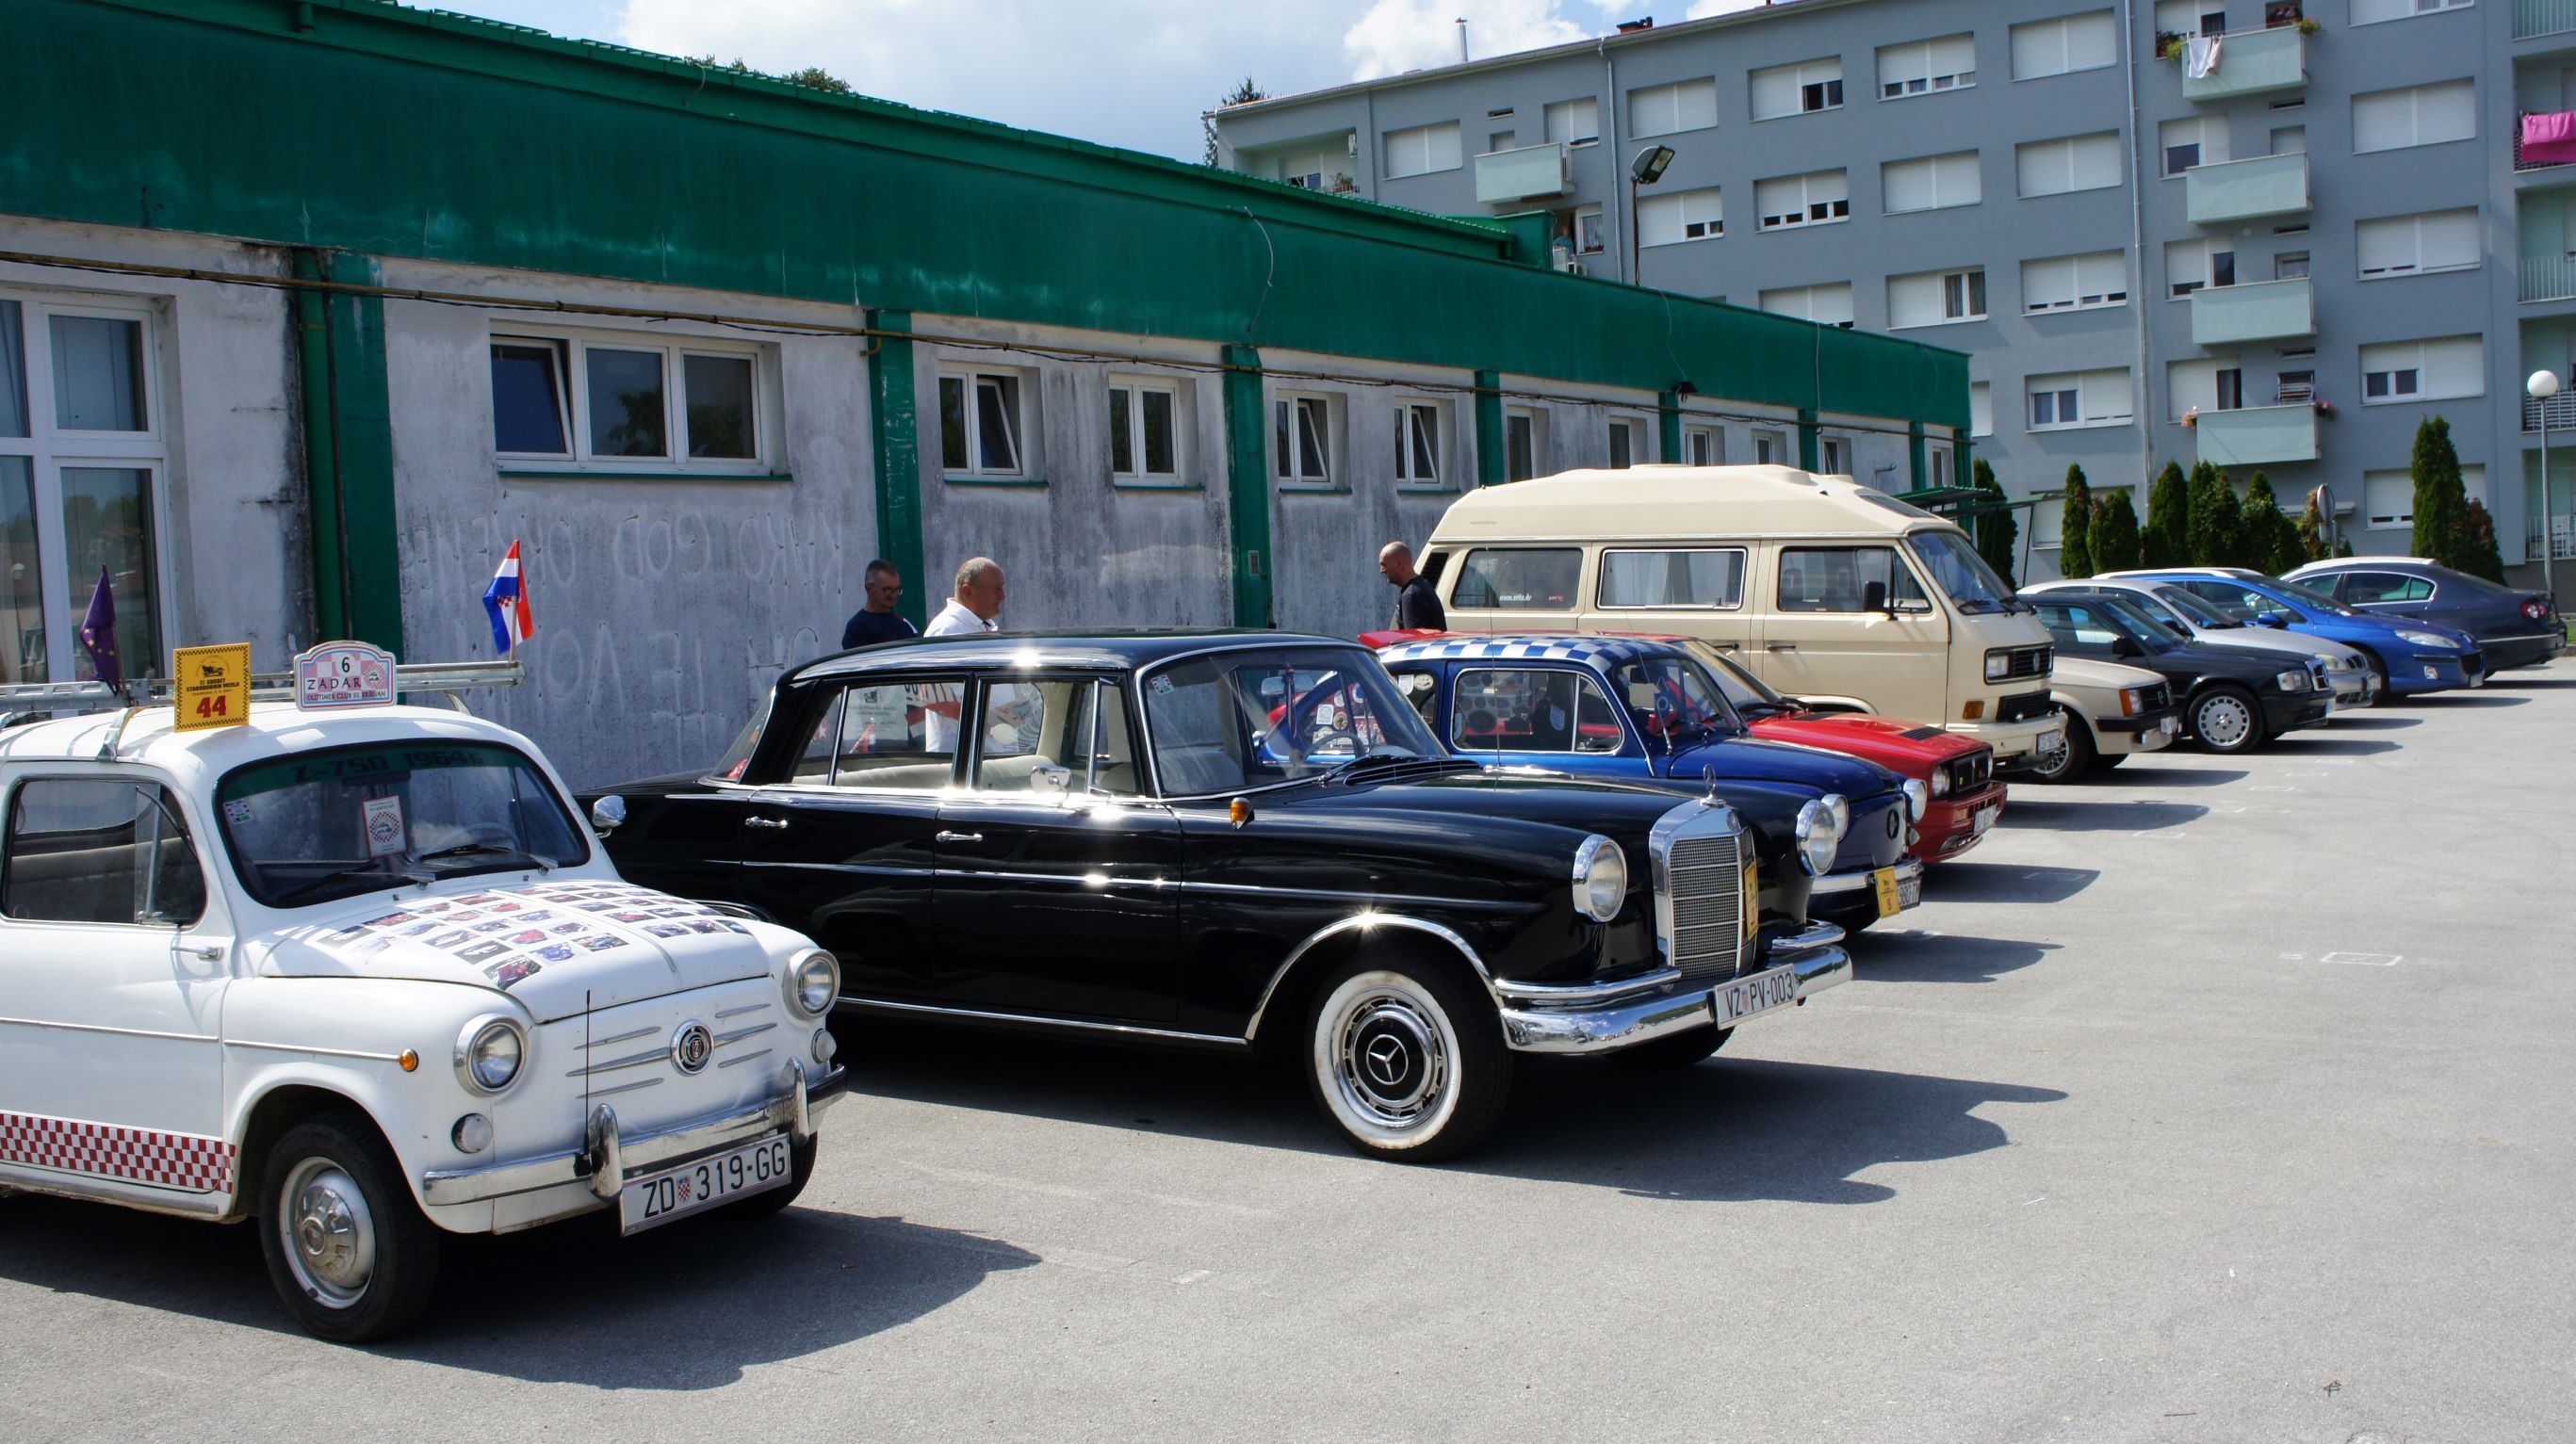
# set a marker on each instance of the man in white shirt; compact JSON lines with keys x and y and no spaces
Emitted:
{"x":975,"y":608}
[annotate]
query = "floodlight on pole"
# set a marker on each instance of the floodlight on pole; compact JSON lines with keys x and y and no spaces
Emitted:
{"x":1644,"y":169}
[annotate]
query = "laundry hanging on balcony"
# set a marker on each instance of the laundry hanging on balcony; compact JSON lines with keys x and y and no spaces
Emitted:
{"x":2200,"y":56}
{"x":2549,"y":138}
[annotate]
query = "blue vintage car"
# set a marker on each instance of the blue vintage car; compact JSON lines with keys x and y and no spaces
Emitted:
{"x":1642,"y":710}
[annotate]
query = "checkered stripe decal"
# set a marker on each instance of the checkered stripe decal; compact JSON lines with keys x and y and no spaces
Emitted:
{"x":1540,"y":649}
{"x":137,"y":1155}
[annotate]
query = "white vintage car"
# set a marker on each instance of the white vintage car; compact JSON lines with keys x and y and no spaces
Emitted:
{"x":365,"y":976}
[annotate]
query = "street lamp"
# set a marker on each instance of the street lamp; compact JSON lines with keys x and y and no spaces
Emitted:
{"x":1646,"y":169}
{"x":2543,"y":385}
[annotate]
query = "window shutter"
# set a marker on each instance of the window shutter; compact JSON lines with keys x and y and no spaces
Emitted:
{"x":1779,"y":197}
{"x":2042,"y":167}
{"x":2455,"y":366}
{"x":2095,"y":160}
{"x":1981,"y":408}
{"x":2107,"y":395}
{"x":1828,"y":185}
{"x":1659,"y":220}
{"x":2448,"y":111}
{"x":1775,"y":92}
{"x":1441,"y":141}
{"x":2102,"y":274}
{"x":1831,"y":305}
{"x":2386,"y":245}
{"x":2040,"y":48}
{"x":1954,"y":55}
{"x":1908,"y":185}
{"x":2449,"y":238}
{"x":1901,"y":65}
{"x":2048,"y":285}
{"x":1913,"y":300}
{"x":1956,"y":180}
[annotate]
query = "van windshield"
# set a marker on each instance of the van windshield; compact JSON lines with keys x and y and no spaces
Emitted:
{"x":1957,"y":570}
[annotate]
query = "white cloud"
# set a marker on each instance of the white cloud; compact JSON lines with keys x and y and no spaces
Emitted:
{"x":1702,"y":9}
{"x":1399,"y":35}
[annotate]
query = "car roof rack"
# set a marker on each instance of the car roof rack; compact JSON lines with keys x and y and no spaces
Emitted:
{"x":32,"y":701}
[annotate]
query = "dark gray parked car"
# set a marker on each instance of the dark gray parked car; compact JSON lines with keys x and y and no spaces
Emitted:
{"x":2514,"y":628}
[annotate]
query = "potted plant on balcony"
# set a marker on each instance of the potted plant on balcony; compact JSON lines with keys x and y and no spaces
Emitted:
{"x":2168,"y":45}
{"x":2191,"y":418}
{"x":1341,"y":184}
{"x":2323,"y":406}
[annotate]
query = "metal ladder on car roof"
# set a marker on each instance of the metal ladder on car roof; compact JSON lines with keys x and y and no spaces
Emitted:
{"x":33,"y":701}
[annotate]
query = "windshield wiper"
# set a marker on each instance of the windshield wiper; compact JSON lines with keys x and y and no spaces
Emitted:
{"x":1344,"y":769}
{"x":389,"y":876}
{"x":490,"y":849}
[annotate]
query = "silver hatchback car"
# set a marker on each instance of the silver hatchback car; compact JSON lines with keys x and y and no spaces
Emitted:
{"x":2192,"y":620}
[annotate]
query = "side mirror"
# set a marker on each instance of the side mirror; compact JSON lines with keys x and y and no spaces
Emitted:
{"x":2126,"y":647}
{"x":2271,"y":619}
{"x":1873,"y":598}
{"x":607,"y":815}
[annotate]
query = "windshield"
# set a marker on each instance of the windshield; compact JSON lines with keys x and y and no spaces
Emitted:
{"x":2145,"y":630}
{"x":2201,"y":613}
{"x":1958,"y":570}
{"x":1673,"y":696}
{"x":1258,"y":718}
{"x":2156,"y":610}
{"x":1742,"y":690}
{"x":332,"y":824}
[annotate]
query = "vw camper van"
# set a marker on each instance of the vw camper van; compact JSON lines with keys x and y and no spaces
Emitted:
{"x":1826,"y":589}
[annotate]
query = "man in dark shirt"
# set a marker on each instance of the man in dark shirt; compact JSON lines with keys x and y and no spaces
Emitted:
{"x":878,"y":621}
{"x":1417,"y":607}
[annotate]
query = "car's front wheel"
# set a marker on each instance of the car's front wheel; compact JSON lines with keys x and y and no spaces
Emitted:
{"x":2227,"y":719}
{"x":1407,"y":1059}
{"x":2073,"y":760}
{"x":350,"y":1254}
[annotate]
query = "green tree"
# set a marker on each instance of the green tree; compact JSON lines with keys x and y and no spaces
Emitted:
{"x":1996,"y":532}
{"x":2312,"y":532}
{"x":2075,"y":530}
{"x":2441,"y":501}
{"x":1243,"y":94}
{"x":2267,"y":540}
{"x":2483,"y":558}
{"x":2115,"y":539}
{"x":817,"y":78}
{"x":2167,"y":540}
{"x":2211,"y":528}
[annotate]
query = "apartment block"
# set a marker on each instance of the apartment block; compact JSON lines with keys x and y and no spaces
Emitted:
{"x":2274,"y":236}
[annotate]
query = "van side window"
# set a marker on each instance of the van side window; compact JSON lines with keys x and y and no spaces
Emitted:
{"x":1844,"y":579}
{"x":1712,"y":578}
{"x":99,"y":850}
{"x":1520,"y":580}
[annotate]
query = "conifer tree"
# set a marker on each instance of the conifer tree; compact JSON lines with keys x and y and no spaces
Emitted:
{"x":1996,"y":531}
{"x":2441,"y":500}
{"x":2075,"y":533}
{"x":2115,"y":539}
{"x":2167,"y":539}
{"x":2212,"y":527}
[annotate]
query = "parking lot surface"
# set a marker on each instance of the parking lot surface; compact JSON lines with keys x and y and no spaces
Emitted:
{"x":2220,"y":1099}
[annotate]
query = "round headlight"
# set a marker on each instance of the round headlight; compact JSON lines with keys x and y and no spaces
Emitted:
{"x":1941,"y":781}
{"x":1600,"y":878}
{"x":813,"y":982}
{"x":1918,"y":799}
{"x":1820,"y":836}
{"x":1840,"y":807}
{"x":489,"y":1052}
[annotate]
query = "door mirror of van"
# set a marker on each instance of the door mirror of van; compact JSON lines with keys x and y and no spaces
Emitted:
{"x":2126,"y":647}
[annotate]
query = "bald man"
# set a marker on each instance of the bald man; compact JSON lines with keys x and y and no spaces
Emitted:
{"x":1417,"y":607}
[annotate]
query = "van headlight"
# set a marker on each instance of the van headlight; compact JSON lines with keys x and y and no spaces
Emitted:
{"x":1918,"y":799}
{"x":813,"y":982}
{"x":1600,"y":878}
{"x":1998,"y":664}
{"x":1820,"y":832}
{"x":489,"y":1052}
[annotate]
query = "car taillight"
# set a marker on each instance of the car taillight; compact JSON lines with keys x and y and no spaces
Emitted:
{"x":2536,"y":611}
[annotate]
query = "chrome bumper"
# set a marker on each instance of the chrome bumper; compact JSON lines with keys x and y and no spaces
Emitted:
{"x":609,"y":1157}
{"x":1607,"y":1017}
{"x":1834,"y":884}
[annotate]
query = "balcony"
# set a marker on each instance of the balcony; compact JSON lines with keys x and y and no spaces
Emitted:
{"x":2254,"y":311}
{"x":2535,"y":18}
{"x":2246,"y":190}
{"x":2258,"y":435}
{"x":2558,"y":410}
{"x":2522,"y":160}
{"x":2253,"y":62}
{"x":1504,"y":177}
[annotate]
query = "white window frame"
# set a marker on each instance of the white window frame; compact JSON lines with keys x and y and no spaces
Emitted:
{"x":1976,"y":182}
{"x":1776,"y":442}
{"x":2207,"y":249}
{"x":2083,"y":385}
{"x":1534,"y":422}
{"x":2410,"y":372}
{"x":1561,"y":119}
{"x":1680,"y":115}
{"x":1693,"y":435}
{"x":1819,"y":80}
{"x":1312,"y":414}
{"x":1694,"y":223}
{"x":1981,"y":408}
{"x":1931,"y":82}
{"x":1968,"y":283}
{"x":1421,"y":425}
{"x":1126,"y":398}
{"x":573,"y":348}
{"x":2079,"y":298}
{"x":2373,"y":519}
{"x":2403,"y":10}
{"x":2202,"y":13}
{"x":1600,"y":230}
{"x":1837,"y":209}
{"x":1634,"y":431}
{"x":1807,"y":299}
{"x":2070,"y":143}
{"x":2064,"y":26}
{"x":2415,"y":114}
{"x":1423,"y":150}
{"x":50,"y":449}
{"x":2208,"y":144}
{"x":1833,"y":456}
{"x":2415,"y":225}
{"x":1018,"y":391}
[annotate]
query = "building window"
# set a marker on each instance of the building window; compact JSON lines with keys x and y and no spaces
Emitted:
{"x":1817,"y":198}
{"x":2436,"y":370}
{"x":1981,"y":408}
{"x":2192,"y":264}
{"x":2075,"y":163}
{"x":1523,"y":433}
{"x":2068,"y":43}
{"x":2411,"y":245}
{"x":2415,"y":115}
{"x":1302,"y":440}
{"x":1669,"y":220}
{"x":982,"y":424}
{"x":1574,"y":122}
{"x":2079,"y":398}
{"x":2372,"y":12}
{"x":1627,"y":443}
{"x":620,"y":402}
{"x":1321,"y":167}
{"x":2212,"y":384}
{"x":1798,"y":89}
{"x":1670,"y":109}
{"x":1942,"y":464}
{"x":1422,"y":150}
{"x":1417,"y":444}
{"x":2191,"y":17}
{"x":1703,"y":446}
{"x":1589,"y":233}
{"x":2295,"y":388}
{"x":84,"y":461}
{"x":2075,"y":283}
{"x":1934,"y":298}
{"x":1771,"y":448}
{"x":2387,"y":499}
{"x":1502,"y":140}
{"x":1144,"y":430}
{"x":1826,"y":304}
{"x":2290,"y":266}
{"x":2193,"y":140}
{"x":1833,"y":456}
{"x":1931,"y":183}
{"x":1927,"y":67}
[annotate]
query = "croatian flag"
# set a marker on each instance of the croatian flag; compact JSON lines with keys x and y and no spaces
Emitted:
{"x":507,"y":600}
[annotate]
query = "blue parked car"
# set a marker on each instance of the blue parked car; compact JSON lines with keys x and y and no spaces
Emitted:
{"x":1641,"y":710}
{"x":2514,"y":628}
{"x":2405,"y":655}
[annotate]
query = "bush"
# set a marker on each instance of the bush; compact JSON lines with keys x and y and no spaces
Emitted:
{"x":2480,"y":556}
{"x":2167,"y":540}
{"x":2114,"y":539}
{"x":2269,"y":540}
{"x":2075,"y":531}
{"x":2312,"y":533}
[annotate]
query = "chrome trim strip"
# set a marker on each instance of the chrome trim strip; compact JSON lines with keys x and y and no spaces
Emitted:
{"x":1124,"y":1030}
{"x":1363,"y":921}
{"x":1329,"y":895}
{"x":1834,"y":884}
{"x":119,"y":1032}
{"x":1578,"y":995}
{"x":626,"y":1087}
{"x":747,"y":1057}
{"x":724,"y":1013}
{"x":395,"y":1058}
{"x":612,"y":1065}
{"x":738,"y":1034}
{"x":628,"y":1037}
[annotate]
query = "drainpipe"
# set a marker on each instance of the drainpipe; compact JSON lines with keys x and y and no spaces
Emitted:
{"x":1610,"y":203}
{"x":321,"y":450}
{"x":2145,"y":392}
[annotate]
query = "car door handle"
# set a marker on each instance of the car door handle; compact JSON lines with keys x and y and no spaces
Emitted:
{"x":960,"y":837}
{"x":774,"y":824}
{"x":1781,"y":647}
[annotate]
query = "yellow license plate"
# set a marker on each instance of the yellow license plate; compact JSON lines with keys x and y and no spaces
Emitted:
{"x":1883,"y":882}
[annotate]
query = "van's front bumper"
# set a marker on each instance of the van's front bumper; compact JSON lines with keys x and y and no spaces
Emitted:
{"x":1612,"y":1016}
{"x":2017,"y":745}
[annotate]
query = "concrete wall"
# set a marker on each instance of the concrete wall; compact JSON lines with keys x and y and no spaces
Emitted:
{"x":665,"y":608}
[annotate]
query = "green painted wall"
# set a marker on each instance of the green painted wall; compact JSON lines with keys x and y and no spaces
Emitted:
{"x":386,"y":131}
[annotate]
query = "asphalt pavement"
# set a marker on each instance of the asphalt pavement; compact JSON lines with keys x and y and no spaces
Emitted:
{"x":2221,"y":1099}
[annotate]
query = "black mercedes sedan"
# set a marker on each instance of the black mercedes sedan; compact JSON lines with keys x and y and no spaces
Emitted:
{"x":2232,"y":700}
{"x":2514,"y":628}
{"x":1142,"y":838}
